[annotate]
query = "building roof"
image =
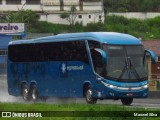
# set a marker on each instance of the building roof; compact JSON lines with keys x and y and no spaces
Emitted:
{"x":103,"y":37}
{"x":153,"y":45}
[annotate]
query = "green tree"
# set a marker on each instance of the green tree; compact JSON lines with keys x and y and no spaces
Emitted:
{"x":28,"y":17}
{"x":131,"y":5}
{"x":151,"y":6}
{"x":115,"y":5}
{"x":70,"y":16}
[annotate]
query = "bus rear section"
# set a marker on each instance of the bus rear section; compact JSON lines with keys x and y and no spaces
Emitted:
{"x":48,"y":69}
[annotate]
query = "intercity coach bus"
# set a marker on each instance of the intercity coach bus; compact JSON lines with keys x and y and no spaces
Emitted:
{"x":94,"y":65}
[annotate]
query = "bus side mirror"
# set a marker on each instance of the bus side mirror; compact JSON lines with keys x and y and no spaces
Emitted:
{"x":103,"y":55}
{"x":153,"y":56}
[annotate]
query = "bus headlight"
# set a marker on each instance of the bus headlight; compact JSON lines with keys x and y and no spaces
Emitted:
{"x":125,"y":88}
{"x":112,"y":86}
{"x":108,"y":85}
{"x":145,"y":86}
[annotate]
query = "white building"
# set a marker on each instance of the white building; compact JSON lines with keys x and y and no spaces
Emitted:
{"x":49,"y":10}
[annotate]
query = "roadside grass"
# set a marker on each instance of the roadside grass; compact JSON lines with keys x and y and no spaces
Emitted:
{"x":108,"y":109}
{"x":145,"y":29}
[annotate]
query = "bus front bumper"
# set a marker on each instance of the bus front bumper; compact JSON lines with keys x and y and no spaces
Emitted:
{"x":116,"y":94}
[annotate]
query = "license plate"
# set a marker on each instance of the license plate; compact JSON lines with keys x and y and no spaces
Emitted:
{"x":129,"y":94}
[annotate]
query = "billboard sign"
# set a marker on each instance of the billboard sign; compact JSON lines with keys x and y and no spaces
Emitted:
{"x":13,"y":29}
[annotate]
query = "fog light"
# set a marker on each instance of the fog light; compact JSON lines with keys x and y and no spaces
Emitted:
{"x":145,"y":94}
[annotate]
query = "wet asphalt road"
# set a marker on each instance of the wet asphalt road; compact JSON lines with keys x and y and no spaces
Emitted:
{"x":145,"y":103}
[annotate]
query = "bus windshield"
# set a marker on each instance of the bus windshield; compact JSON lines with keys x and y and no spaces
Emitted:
{"x":125,"y":63}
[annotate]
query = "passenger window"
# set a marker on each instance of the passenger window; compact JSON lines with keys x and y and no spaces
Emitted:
{"x":75,"y":51}
{"x":21,"y":53}
{"x":96,"y":57}
{"x":54,"y":51}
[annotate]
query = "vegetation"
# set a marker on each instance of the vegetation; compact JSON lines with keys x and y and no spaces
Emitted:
{"x":22,"y":16}
{"x":132,"y":5}
{"x":145,"y":29}
{"x":115,"y":112}
{"x":70,"y":16}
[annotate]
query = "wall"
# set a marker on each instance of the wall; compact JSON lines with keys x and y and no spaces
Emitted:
{"x":49,"y":10}
{"x":55,"y":18}
{"x":4,"y":40}
{"x":138,"y":15}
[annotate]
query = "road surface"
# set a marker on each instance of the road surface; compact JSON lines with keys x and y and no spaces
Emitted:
{"x":5,"y":97}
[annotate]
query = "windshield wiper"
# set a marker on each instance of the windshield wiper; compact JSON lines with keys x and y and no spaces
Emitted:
{"x":124,"y":69}
{"x":135,"y":71}
{"x":128,"y":66}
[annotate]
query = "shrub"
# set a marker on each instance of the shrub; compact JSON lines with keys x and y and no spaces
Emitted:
{"x":146,"y":29}
{"x":116,"y":20}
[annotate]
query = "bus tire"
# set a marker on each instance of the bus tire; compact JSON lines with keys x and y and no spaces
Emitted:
{"x":126,"y":101}
{"x":88,"y":95}
{"x":24,"y":92}
{"x":34,"y":92}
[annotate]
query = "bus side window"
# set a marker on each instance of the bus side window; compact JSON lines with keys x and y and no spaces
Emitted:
{"x":82,"y":52}
{"x":92,"y":46}
{"x":21,"y":53}
{"x":96,"y":58}
{"x":74,"y":51}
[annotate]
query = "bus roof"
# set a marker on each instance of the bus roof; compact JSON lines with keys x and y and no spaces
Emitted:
{"x":103,"y":37}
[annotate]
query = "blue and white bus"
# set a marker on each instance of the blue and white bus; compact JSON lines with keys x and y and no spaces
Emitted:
{"x":94,"y":65}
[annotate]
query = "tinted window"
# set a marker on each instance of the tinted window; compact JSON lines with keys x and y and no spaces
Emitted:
{"x":57,"y":51}
{"x":13,"y":1}
{"x":19,"y":53}
{"x":33,"y":2}
{"x":75,"y":51}
{"x":96,"y":57}
{"x":92,"y":46}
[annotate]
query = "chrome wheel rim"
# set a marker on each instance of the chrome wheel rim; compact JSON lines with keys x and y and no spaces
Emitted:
{"x":34,"y":96}
{"x":89,"y":95}
{"x":25,"y":93}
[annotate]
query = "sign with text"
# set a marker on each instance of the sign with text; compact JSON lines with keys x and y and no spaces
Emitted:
{"x":12,"y":28}
{"x":40,"y":114}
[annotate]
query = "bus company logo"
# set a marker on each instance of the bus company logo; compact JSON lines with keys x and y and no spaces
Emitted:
{"x":65,"y":68}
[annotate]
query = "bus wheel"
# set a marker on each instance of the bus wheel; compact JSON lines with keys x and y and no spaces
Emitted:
{"x":126,"y":101}
{"x":24,"y":92}
{"x":89,"y":98}
{"x":34,"y":93}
